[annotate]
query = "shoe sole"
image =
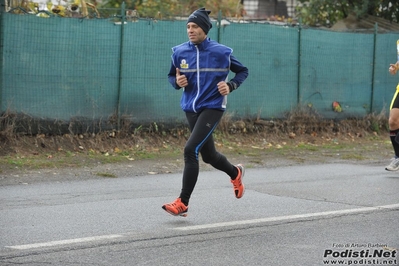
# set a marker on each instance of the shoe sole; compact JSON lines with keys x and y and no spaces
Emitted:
{"x":184,"y":214}
{"x":243,"y":190}
{"x":242,"y":177}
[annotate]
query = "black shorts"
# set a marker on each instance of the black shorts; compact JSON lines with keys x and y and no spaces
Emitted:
{"x":395,"y":99}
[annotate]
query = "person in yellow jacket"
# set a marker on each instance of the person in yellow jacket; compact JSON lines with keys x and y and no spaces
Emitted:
{"x":394,"y":120}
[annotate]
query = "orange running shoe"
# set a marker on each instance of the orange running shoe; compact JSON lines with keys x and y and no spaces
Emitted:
{"x":176,"y":208}
{"x":238,"y":186}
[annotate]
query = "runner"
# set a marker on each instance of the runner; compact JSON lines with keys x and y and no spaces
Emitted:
{"x":201,"y":67}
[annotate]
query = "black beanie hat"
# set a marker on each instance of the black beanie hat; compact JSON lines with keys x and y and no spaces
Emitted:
{"x":201,"y":18}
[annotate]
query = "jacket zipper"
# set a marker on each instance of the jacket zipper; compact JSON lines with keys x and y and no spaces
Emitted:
{"x":198,"y":80}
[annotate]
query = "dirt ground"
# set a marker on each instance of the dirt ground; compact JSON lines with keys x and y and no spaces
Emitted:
{"x":43,"y":158}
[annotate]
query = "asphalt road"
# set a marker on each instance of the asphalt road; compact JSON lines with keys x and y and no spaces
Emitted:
{"x":298,"y":215}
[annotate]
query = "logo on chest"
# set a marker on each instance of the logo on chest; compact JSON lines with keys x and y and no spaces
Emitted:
{"x":183,"y":64}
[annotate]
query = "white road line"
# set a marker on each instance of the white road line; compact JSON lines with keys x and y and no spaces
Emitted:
{"x":215,"y":225}
{"x":64,"y":242}
{"x":289,"y":217}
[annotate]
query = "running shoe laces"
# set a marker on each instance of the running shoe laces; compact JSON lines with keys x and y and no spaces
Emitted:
{"x":238,"y":186}
{"x":394,"y":165}
{"x":176,"y":208}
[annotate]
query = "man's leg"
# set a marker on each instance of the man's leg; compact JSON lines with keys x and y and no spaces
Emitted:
{"x":202,"y":126}
{"x":394,"y":134}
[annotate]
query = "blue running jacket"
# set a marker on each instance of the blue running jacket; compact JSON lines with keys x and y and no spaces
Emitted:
{"x":204,"y":65}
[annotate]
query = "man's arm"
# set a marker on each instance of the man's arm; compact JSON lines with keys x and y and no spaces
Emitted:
{"x":241,"y":73}
{"x":172,"y":77}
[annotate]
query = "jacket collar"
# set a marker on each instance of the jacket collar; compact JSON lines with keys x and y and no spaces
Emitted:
{"x":202,"y":45}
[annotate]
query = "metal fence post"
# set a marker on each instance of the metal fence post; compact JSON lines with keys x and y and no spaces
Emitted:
{"x":2,"y":13}
{"x":299,"y":64}
{"x":373,"y":70}
{"x":1,"y":58}
{"x":219,"y":25}
{"x":123,"y":19}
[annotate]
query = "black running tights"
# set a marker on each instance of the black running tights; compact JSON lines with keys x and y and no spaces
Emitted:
{"x":201,"y":141}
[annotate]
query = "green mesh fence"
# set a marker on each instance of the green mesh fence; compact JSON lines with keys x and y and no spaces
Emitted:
{"x":95,"y":69}
{"x":342,"y":72}
{"x":271,"y":55}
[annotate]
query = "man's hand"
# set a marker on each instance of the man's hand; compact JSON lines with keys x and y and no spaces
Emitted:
{"x":393,"y":68}
{"x":181,"y":80}
{"x":223,"y":88}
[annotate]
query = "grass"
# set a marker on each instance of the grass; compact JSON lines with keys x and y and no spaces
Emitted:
{"x":359,"y":150}
{"x":300,"y":133}
{"x":106,"y":175}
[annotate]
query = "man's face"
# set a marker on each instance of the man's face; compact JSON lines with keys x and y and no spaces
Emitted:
{"x":195,"y":33}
